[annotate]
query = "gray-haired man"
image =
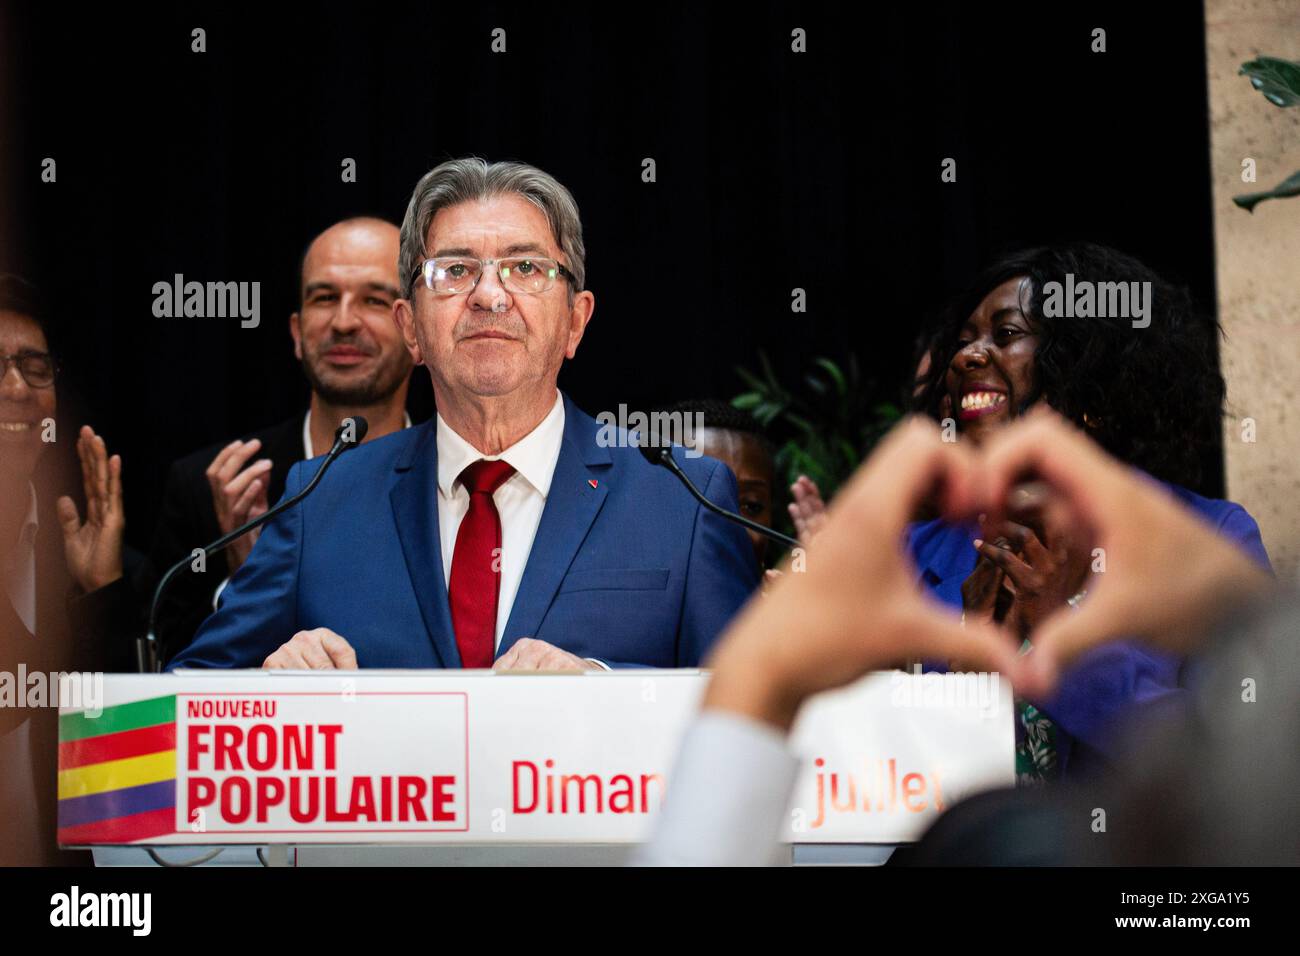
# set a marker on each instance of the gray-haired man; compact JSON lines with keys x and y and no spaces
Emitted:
{"x":504,"y":530}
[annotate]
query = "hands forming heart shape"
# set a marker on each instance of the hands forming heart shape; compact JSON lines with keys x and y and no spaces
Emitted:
{"x":856,"y":605}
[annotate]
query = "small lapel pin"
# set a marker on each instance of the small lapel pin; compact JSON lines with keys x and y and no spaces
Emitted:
{"x":592,"y":482}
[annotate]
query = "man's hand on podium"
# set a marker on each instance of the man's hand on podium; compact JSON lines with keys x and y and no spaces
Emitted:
{"x":530,"y":654}
{"x":319,"y":649}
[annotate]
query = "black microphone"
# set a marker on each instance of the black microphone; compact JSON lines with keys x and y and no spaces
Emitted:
{"x":663,"y":455}
{"x":351,"y":432}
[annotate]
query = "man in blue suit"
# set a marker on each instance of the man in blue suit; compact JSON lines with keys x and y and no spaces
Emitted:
{"x":508,"y":529}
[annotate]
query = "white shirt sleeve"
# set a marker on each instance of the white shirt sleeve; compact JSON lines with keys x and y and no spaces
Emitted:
{"x":216,"y":595}
{"x":727,"y":796}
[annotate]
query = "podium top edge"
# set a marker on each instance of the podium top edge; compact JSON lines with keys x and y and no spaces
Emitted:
{"x":423,"y":672}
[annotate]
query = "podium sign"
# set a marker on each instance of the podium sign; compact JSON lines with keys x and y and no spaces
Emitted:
{"x":419,"y":757}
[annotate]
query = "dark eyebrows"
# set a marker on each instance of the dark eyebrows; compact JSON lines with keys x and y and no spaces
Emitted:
{"x":513,"y":249}
{"x":318,"y":287}
{"x":518,"y":247}
{"x":1008,"y":312}
{"x":1000,"y":315}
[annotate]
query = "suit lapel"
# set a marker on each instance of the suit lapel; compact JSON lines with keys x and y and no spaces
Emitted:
{"x":53,"y":582}
{"x":571,"y":507}
{"x":17,"y":644}
{"x":414,"y":498}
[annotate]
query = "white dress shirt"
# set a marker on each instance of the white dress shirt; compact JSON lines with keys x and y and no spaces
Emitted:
{"x":308,"y":453}
{"x":727,"y":796}
{"x":520,"y":499}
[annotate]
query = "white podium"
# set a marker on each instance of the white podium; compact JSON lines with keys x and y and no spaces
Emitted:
{"x":455,"y":767}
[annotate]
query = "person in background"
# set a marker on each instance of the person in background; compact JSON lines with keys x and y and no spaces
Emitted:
{"x":735,"y":438}
{"x":496,"y":535}
{"x":1145,"y":385}
{"x":352,"y":356}
{"x":807,"y":506}
{"x":855,"y":609}
{"x":88,"y":584}
{"x":66,"y":600}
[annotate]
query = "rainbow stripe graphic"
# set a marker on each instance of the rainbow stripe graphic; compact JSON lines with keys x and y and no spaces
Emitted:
{"x":117,"y":773}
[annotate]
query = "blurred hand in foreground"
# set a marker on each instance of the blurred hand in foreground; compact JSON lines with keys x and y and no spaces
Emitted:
{"x":1167,"y":575}
{"x":857,"y":606}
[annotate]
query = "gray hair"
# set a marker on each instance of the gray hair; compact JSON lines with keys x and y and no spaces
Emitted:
{"x":472,"y":179}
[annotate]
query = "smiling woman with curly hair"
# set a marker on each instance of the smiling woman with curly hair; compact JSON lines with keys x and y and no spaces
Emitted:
{"x":1149,"y":392}
{"x":1151,"y":396}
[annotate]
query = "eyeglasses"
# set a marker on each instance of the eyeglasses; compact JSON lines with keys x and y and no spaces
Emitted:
{"x":37,"y":368}
{"x":526,"y":275}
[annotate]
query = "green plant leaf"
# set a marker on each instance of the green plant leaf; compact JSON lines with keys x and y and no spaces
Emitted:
{"x":1287,"y":187}
{"x":849,"y":452}
{"x":801,"y":423}
{"x":805,"y":464}
{"x":1278,"y":80}
{"x":752,"y":380}
{"x":780,"y":408}
{"x":826,"y":425}
{"x":833,"y":370}
{"x":768,"y":372}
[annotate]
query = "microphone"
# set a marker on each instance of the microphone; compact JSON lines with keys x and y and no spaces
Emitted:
{"x":662,"y":455}
{"x":351,"y":432}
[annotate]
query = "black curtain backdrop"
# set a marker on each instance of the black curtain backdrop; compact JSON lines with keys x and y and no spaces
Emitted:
{"x":775,"y":170}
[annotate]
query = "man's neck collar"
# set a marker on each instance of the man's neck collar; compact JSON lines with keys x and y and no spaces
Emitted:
{"x":323,"y":420}
{"x":492,"y":427}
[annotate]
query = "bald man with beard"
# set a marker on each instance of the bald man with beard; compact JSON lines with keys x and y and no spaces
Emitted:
{"x":354,"y":359}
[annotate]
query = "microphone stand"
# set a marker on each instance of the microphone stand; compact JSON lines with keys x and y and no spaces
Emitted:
{"x":148,"y":655}
{"x":662,"y":455}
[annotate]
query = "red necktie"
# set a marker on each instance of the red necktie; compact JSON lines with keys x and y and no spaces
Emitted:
{"x":476,"y":565}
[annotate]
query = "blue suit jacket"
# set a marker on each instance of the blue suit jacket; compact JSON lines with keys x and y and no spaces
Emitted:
{"x":1106,"y":684}
{"x":625,"y":567}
